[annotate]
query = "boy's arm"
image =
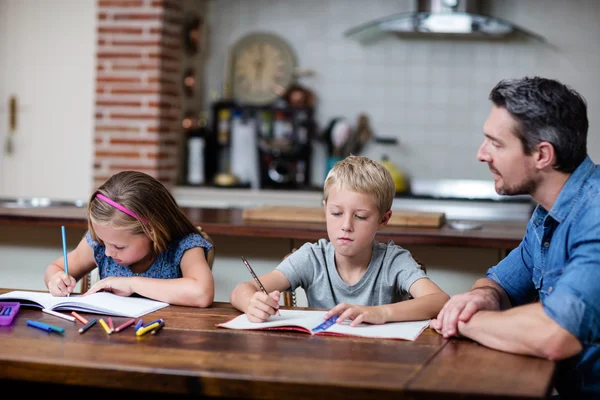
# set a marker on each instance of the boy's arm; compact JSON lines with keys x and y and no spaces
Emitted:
{"x":273,"y":281}
{"x":81,"y":261}
{"x":428,"y":300}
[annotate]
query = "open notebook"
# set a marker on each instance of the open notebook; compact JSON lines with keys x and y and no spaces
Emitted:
{"x":97,"y":303}
{"x":313,"y":322}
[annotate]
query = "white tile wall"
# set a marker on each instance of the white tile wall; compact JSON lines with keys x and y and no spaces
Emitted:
{"x":430,"y":94}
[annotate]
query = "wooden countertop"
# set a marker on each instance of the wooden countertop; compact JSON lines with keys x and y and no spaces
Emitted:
{"x":229,"y":222}
{"x":191,"y":357}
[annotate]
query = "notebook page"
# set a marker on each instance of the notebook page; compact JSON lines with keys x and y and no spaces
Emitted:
{"x":44,"y":299}
{"x":112,"y":304}
{"x":409,"y":330}
{"x":302,"y":318}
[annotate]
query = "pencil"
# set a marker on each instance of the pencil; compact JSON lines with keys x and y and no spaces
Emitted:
{"x":110,"y":324}
{"x":124,"y":325}
{"x":158,"y":328}
{"x":146,"y":329}
{"x":79,"y":318}
{"x":64,"y":242}
{"x":88,"y":325}
{"x":106,"y":328}
{"x":59,"y":315}
{"x":260,"y":285}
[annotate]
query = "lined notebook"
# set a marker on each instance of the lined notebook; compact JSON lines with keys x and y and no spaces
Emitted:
{"x":313,"y":322}
{"x":105,"y":303}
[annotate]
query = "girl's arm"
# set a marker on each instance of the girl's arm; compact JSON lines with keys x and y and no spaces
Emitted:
{"x":428,"y":299}
{"x":196,"y":287}
{"x":81,"y":262}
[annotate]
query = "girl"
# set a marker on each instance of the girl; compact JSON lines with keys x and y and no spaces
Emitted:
{"x":141,"y":243}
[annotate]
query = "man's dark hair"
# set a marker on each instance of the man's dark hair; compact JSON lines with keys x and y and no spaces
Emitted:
{"x":546,"y":111}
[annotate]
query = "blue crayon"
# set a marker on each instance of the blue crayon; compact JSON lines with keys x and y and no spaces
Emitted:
{"x":138,"y":325}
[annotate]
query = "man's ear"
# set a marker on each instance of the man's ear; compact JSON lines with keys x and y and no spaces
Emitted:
{"x":386,"y":218}
{"x":544,"y":155}
{"x":324,"y":203}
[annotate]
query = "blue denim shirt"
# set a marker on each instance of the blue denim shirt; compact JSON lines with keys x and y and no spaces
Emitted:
{"x":558,"y":262}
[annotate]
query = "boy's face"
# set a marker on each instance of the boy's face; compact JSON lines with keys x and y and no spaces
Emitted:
{"x":352,"y":221}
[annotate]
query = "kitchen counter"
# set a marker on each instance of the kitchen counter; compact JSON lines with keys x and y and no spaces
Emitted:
{"x":229,"y":222}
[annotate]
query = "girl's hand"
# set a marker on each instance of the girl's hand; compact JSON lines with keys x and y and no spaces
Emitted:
{"x":358,"y":314}
{"x":262,"y":306}
{"x":117,"y":285}
{"x":61,"y":284}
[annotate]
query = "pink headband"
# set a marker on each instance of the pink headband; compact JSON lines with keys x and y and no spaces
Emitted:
{"x":120,"y":207}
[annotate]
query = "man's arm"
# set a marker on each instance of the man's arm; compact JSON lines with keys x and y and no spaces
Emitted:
{"x":485,"y":294}
{"x":522,"y":330}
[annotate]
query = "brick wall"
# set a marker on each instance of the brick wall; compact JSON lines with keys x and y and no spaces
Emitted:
{"x":137,"y":88}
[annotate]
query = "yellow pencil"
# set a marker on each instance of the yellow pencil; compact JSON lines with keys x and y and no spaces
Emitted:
{"x":146,"y":329}
{"x":106,"y":328}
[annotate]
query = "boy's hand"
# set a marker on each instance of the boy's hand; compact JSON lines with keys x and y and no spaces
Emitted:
{"x":262,"y":306}
{"x":358,"y":314}
{"x":61,"y":284}
{"x":118,"y":285}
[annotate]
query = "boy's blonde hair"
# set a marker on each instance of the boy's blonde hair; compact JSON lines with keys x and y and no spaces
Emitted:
{"x":362,"y":175}
{"x":147,"y":198}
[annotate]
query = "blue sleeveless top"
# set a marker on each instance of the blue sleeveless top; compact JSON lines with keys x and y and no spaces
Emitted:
{"x":166,"y":265}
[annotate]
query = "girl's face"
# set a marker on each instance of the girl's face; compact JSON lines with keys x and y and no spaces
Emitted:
{"x":122,"y":246}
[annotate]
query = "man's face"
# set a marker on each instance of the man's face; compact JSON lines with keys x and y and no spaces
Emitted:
{"x":513,"y":171}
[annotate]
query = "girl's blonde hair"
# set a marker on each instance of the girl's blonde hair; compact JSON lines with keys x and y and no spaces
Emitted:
{"x":161,"y":219}
{"x":362,"y":175}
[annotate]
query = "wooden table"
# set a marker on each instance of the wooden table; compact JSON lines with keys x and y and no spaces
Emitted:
{"x":192,"y":357}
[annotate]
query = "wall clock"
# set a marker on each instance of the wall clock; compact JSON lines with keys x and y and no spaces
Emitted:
{"x":261,"y":68}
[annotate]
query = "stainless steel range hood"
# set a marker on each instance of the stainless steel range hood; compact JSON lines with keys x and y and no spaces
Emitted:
{"x":440,"y":19}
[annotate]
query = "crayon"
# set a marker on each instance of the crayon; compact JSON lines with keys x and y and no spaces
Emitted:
{"x":88,"y":325}
{"x":146,"y":329}
{"x":59,"y":315}
{"x":79,"y":318}
{"x":124,"y":325}
{"x":158,"y":328}
{"x":106,"y":328}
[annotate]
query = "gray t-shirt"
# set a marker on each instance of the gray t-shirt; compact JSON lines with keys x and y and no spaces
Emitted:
{"x":388,"y":278}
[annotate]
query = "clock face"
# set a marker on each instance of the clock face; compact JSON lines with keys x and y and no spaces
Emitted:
{"x":262,"y":68}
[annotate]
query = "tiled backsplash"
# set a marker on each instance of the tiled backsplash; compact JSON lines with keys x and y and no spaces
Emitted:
{"x":430,"y":94}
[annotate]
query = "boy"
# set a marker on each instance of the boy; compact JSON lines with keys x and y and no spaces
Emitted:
{"x":353,"y":275}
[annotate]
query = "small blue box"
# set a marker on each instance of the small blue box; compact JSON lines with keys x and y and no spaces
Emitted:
{"x":6,"y":319}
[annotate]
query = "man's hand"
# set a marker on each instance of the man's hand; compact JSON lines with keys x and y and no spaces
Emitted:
{"x":262,"y":306}
{"x":118,"y":285}
{"x":461,"y":307}
{"x":358,"y":314}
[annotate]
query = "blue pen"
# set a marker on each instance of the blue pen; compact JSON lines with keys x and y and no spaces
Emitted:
{"x":39,"y":325}
{"x":64,"y":241}
{"x":45,"y":327}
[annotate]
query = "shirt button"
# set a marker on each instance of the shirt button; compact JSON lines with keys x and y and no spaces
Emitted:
{"x":546,"y":244}
{"x":550,"y":289}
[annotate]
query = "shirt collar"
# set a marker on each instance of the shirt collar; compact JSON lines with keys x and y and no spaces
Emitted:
{"x":570,"y":192}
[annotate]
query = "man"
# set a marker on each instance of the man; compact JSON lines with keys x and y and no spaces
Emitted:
{"x":543,"y":299}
